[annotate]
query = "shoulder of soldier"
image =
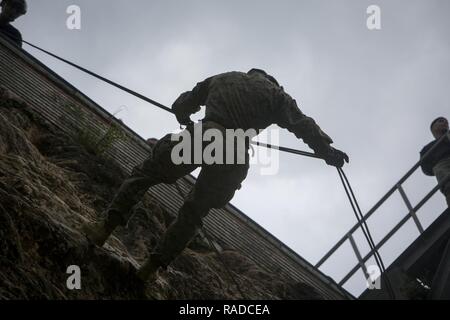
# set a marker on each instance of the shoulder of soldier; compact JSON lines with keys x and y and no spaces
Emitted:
{"x":282,"y":95}
{"x":230,"y":74}
{"x":229,"y":77}
{"x":427,"y":147}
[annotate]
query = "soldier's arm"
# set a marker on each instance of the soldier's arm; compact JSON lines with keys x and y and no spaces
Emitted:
{"x":426,"y":164}
{"x":189,"y":102}
{"x":426,"y":169}
{"x":290,"y":117}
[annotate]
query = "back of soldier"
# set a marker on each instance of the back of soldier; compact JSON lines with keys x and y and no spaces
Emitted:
{"x":239,"y":100}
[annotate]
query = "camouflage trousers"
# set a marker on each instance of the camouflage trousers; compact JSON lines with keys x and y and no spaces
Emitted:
{"x":442,"y":172}
{"x":214,"y":188}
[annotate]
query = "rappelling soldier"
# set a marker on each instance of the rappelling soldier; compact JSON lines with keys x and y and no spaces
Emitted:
{"x":233,"y":100}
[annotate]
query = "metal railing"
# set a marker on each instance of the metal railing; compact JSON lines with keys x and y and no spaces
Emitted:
{"x":412,"y":214}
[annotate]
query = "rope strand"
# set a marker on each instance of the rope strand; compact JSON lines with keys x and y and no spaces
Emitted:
{"x":365,"y":229}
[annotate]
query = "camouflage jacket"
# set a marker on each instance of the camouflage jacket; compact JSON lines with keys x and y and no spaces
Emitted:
{"x":239,"y":100}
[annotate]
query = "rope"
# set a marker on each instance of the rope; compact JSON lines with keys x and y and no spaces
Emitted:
{"x":365,"y":229}
{"x":95,"y":75}
{"x":155,"y":103}
{"x":342,"y":175}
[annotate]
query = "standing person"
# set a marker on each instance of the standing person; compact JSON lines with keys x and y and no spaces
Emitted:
{"x":11,"y":10}
{"x":438,"y":162}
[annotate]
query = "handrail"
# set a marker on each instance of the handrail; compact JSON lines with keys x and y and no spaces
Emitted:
{"x":390,"y":234}
{"x":411,"y":214}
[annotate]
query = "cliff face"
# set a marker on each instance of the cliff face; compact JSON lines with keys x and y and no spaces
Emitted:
{"x":51,"y":183}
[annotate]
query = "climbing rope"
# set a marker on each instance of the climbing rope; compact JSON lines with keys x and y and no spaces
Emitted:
{"x":343,"y":177}
{"x":365,"y":229}
{"x":153,"y":102}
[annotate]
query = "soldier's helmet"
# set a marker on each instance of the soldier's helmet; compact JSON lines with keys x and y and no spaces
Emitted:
{"x":19,"y":5}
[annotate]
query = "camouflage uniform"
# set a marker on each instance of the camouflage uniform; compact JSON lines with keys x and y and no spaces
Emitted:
{"x":214,"y":188}
{"x":233,"y":100}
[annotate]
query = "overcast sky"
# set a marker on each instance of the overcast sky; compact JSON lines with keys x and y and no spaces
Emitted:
{"x":374,"y":92}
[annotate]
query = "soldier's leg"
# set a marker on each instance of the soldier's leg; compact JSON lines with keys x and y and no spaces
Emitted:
{"x":158,"y":168}
{"x":214,"y":188}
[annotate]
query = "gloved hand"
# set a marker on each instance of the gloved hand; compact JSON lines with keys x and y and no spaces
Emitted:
{"x":184,"y":119}
{"x":335,"y":157}
{"x":184,"y":107}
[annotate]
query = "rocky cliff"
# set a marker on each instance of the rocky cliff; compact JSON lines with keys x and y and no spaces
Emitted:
{"x":51,"y":183}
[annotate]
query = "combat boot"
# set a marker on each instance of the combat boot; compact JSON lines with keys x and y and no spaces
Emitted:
{"x":98,"y":232}
{"x":149,"y":270}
